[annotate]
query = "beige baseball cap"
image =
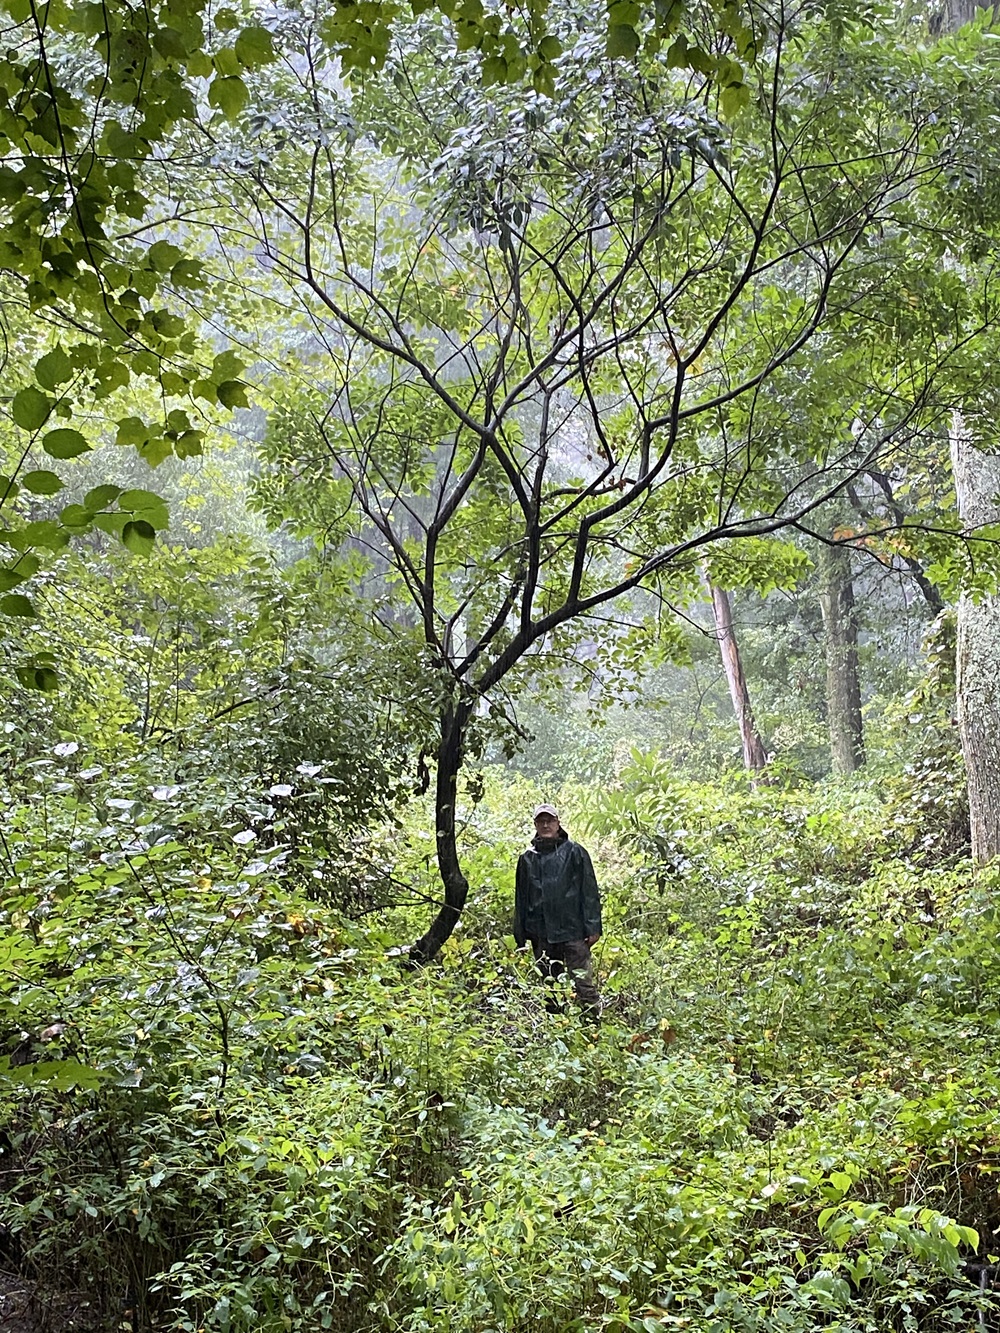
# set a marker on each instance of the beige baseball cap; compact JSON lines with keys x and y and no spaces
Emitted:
{"x":545,"y":810}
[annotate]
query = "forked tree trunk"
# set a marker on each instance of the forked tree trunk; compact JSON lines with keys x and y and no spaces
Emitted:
{"x":977,"y":484}
{"x":754,"y":754}
{"x":456,"y":886}
{"x":843,"y":689}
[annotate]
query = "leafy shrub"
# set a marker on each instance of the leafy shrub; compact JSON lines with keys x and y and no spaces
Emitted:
{"x":230,"y":1109}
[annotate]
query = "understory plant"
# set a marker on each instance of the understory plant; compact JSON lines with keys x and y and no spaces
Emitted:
{"x":227,"y":1107}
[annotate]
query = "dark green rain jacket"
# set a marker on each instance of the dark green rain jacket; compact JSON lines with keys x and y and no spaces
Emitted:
{"x":556,"y":897}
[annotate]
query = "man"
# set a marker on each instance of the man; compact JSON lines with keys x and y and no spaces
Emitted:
{"x":557,"y":906}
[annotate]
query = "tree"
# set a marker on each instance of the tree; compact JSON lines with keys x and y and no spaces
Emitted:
{"x":972,"y":438}
{"x":91,"y":301}
{"x":754,"y":754}
{"x":561,"y":350}
{"x":977,"y":482}
{"x":843,"y":688}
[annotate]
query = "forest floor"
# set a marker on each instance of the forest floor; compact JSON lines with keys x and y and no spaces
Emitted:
{"x":25,"y":1308}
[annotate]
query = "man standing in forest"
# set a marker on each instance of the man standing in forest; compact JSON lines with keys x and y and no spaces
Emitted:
{"x":557,"y":906}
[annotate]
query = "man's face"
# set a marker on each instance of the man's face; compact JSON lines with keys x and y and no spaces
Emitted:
{"x":546,"y":826}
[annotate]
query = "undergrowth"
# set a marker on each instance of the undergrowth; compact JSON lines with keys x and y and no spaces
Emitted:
{"x":229,"y":1108}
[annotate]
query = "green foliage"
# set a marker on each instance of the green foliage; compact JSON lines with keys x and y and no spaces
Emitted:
{"x":234,"y":1109}
{"x":551,"y":347}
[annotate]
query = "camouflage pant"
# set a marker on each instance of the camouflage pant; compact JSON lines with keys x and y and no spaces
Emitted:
{"x":572,"y":956}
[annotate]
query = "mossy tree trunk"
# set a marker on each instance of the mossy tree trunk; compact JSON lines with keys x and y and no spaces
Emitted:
{"x":977,"y":484}
{"x":843,"y":687}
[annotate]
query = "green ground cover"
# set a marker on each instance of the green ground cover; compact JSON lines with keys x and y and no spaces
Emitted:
{"x":227,"y":1107}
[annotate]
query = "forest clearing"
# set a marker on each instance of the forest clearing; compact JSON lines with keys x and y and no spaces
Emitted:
{"x":426,"y":427}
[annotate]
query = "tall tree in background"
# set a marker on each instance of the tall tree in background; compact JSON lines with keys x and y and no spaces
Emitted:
{"x":976,"y":469}
{"x":843,"y":686}
{"x":754,"y":753}
{"x":977,"y":483}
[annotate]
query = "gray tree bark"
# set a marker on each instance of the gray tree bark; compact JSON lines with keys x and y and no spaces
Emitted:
{"x":754,"y":754}
{"x":955,"y":14}
{"x":843,"y":688}
{"x":977,"y":484}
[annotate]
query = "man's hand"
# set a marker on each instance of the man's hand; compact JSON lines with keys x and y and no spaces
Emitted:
{"x":592,"y":939}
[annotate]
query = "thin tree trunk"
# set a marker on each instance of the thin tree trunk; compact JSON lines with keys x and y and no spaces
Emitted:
{"x":456,"y":886}
{"x":754,"y":754}
{"x":843,"y":689}
{"x":930,"y":592}
{"x":977,"y":483}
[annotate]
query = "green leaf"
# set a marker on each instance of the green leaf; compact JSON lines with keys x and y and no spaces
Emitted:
{"x":623,"y":41}
{"x":824,"y":1218}
{"x":47,"y":533}
{"x":155,"y":450}
{"x":132,"y":430}
{"x":38,"y":678}
{"x":139,"y":536}
{"x":170,"y":44}
{"x":188,"y":273}
{"x":53,"y":368}
{"x":65,"y":443}
{"x":189,"y":444}
{"x":101,"y":496}
{"x":199,"y":64}
{"x":624,"y":13}
{"x":41,"y":482}
{"x":162,"y":256}
{"x":229,"y":95}
{"x":254,"y":47}
{"x":232,"y":394}
{"x":728,"y":72}
{"x":543,"y":82}
{"x":113,"y":524}
{"x":16,"y":604}
{"x":700,"y":60}
{"x":147,"y":506}
{"x":59,"y":1074}
{"x":226,"y":62}
{"x":76,"y":517}
{"x":494,"y":71}
{"x":24,"y":567}
{"x":227,"y":365}
{"x":734,"y":99}
{"x":30,"y":408}
{"x":550,"y":47}
{"x":139,"y":499}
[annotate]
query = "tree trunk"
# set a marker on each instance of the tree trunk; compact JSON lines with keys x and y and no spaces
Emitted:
{"x":754,"y":754}
{"x":977,"y":483}
{"x":843,"y":689}
{"x":456,"y":886}
{"x":977,"y":664}
{"x":955,"y":14}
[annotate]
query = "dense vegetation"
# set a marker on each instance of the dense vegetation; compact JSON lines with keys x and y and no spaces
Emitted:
{"x":230,"y":1108}
{"x":412,"y":416}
